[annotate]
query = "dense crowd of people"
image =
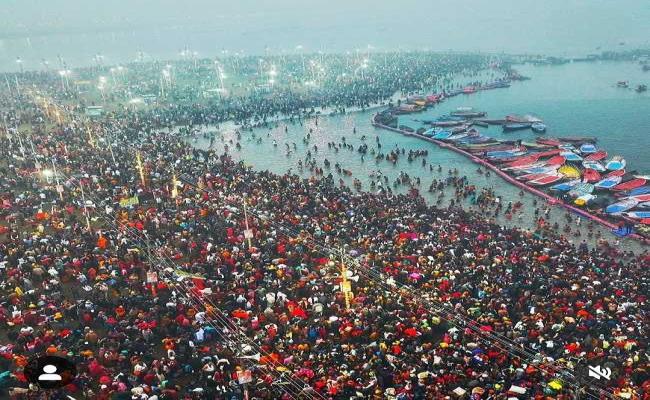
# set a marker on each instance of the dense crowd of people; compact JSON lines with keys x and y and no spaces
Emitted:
{"x":307,"y":84}
{"x":249,"y":277}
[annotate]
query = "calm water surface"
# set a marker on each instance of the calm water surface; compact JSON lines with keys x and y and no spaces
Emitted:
{"x":574,"y":99}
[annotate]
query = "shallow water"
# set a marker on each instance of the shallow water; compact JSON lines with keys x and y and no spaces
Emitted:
{"x":566,"y":115}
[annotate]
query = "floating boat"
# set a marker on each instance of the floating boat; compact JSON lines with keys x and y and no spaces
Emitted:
{"x":516,"y":151}
{"x":619,"y":172}
{"x":469,"y":89}
{"x":457,"y":136}
{"x":533,"y":176}
{"x":545,"y":180}
{"x":523,"y":119}
{"x":608,"y":182}
{"x":641,"y":197}
{"x":480,"y":123}
{"x":597,"y":156}
{"x":493,"y":121}
{"x":505,"y":156}
{"x":522,"y":161}
{"x":538,"y":127}
{"x":584,"y":199}
{"x":621,"y":206}
{"x":535,"y":145}
{"x":581,"y":189}
{"x":615,"y":164}
{"x":571,"y":156}
{"x":468,"y":114}
{"x":516,"y":127}
{"x":446,"y":124}
{"x":595,"y":165}
{"x":588,"y":148}
{"x":540,"y":169}
{"x":622,"y":84}
{"x":638,"y":214}
{"x":631,"y":184}
{"x":569,"y":171}
{"x":555,"y":160}
{"x":548,"y":141}
{"x":525,"y":167}
{"x":578,"y":139}
{"x":442,"y":135}
{"x":591,"y":175}
{"x":567,"y":147}
{"x":565,"y":186}
{"x":640,"y":190}
{"x":429,"y":132}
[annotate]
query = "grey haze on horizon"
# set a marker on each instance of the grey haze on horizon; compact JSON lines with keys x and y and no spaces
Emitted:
{"x":118,"y":29}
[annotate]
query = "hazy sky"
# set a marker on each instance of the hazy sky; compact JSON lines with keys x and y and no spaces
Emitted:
{"x":77,"y":29}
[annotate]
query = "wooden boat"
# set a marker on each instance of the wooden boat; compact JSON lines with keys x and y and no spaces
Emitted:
{"x":615,"y":164}
{"x":457,"y":136}
{"x":555,"y":160}
{"x":516,"y":127}
{"x":571,"y":156}
{"x":565,"y":186}
{"x":640,"y":190}
{"x":523,"y":119}
{"x":493,"y":121}
{"x":588,"y":148}
{"x":522,"y":161}
{"x":641,"y":197}
{"x":595,"y":165}
{"x":532,"y":177}
{"x":621,"y":206}
{"x":590,"y":175}
{"x":569,"y":171}
{"x":581,"y":189}
{"x":442,"y":135}
{"x":567,"y":147}
{"x":539,"y":169}
{"x":407,"y":109}
{"x":538,"y":127}
{"x":468,"y":114}
{"x":638,"y":214}
{"x":597,"y":156}
{"x":548,"y":141}
{"x":619,"y":172}
{"x":482,"y":124}
{"x":608,"y":182}
{"x":446,"y":124}
{"x":535,"y":145}
{"x":545,"y":180}
{"x":631,"y":184}
{"x":578,"y":139}
{"x":429,"y":132}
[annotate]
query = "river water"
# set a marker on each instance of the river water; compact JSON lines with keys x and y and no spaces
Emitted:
{"x":573,"y":99}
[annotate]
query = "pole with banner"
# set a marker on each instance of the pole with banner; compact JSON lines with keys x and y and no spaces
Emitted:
{"x":138,"y":161}
{"x":59,"y":188}
{"x":248,"y":233}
